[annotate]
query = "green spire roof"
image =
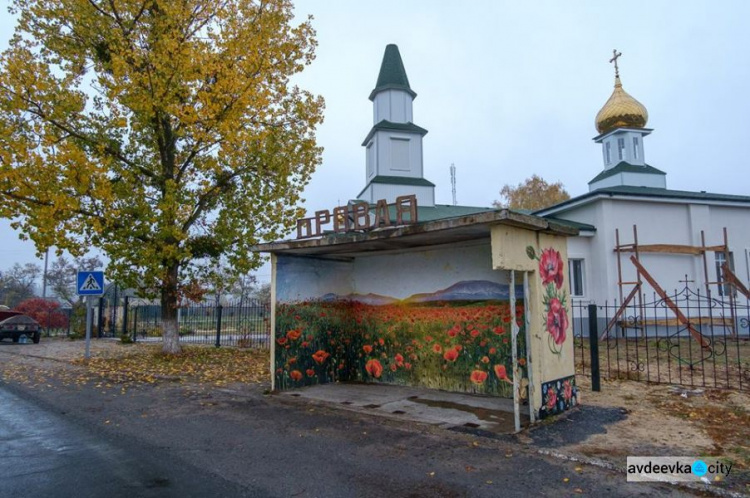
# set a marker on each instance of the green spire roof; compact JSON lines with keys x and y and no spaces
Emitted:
{"x":392,"y":73}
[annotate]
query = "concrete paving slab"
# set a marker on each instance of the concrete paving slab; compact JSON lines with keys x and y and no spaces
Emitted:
{"x":445,"y":409}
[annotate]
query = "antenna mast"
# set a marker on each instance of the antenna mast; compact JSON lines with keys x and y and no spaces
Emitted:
{"x":453,"y":182}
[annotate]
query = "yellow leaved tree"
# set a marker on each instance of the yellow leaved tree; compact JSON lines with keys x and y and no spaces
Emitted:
{"x":532,"y":194}
{"x":162,"y":132}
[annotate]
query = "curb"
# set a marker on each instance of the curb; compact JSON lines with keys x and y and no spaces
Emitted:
{"x":706,"y":488}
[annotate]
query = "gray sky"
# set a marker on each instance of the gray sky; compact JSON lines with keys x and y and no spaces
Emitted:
{"x":509,"y":89}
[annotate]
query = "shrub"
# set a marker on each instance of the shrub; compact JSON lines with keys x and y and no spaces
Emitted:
{"x":46,"y":312}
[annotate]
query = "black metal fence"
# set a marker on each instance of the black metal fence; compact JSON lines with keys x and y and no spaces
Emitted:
{"x":242,"y":324}
{"x":690,"y":339}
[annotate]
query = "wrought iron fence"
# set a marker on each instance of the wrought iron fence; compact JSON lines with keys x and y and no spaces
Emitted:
{"x":242,"y":324}
{"x":690,"y":339}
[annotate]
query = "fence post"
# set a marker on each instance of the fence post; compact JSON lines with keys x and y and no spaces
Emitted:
{"x":125,"y":304}
{"x":135,"y":324}
{"x":100,"y":319}
{"x":594,"y":348}
{"x":218,"y":325}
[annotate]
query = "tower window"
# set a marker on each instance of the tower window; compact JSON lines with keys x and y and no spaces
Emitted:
{"x":636,"y":152}
{"x":608,"y":152}
{"x":621,"y":148}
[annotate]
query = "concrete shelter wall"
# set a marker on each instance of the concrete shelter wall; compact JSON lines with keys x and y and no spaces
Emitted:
{"x":551,"y":353}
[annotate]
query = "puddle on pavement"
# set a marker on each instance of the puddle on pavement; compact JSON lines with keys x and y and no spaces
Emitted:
{"x":502,"y":420}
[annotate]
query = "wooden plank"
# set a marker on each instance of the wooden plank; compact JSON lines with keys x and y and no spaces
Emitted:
{"x":672,"y":249}
{"x":675,"y":309}
{"x":620,"y":310}
{"x":730,"y":277}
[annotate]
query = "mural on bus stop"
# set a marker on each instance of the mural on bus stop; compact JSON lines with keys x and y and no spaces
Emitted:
{"x":456,"y":338}
{"x":555,"y":299}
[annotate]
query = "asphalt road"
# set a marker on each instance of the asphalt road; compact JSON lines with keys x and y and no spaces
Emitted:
{"x":43,"y":454}
{"x":173,"y":440}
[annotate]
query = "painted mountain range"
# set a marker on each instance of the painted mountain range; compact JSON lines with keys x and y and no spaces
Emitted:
{"x":467,"y":290}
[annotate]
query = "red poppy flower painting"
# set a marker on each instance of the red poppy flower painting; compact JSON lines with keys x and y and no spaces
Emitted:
{"x":450,"y":355}
{"x":295,"y":375}
{"x":478,"y":377}
{"x":501,"y":373}
{"x":320,"y":357}
{"x":557,"y":321}
{"x":374,"y":368}
{"x":551,"y":267}
{"x":293,"y":334}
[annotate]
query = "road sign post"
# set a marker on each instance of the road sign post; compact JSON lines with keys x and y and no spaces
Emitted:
{"x":90,"y":283}
{"x":87,"y":355}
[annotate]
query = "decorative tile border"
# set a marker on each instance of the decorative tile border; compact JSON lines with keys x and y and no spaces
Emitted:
{"x":558,"y":396}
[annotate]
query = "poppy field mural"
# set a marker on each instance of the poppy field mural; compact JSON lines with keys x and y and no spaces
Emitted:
{"x":456,"y":339}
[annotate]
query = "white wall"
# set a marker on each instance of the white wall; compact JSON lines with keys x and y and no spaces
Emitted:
{"x":384,"y":153}
{"x":658,"y":223}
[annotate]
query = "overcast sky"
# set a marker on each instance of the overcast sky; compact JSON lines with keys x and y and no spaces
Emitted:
{"x":509,"y":89}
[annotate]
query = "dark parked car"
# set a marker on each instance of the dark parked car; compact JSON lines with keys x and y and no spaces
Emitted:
{"x":14,"y":325}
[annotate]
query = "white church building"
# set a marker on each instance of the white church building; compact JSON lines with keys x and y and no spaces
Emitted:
{"x":680,"y":237}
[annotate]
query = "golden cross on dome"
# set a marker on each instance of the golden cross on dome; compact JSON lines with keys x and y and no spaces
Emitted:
{"x":614,"y":59}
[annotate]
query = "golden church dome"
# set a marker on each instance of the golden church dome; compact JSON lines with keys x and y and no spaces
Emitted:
{"x":621,"y":111}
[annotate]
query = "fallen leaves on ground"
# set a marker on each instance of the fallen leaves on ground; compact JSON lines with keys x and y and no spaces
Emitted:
{"x":201,"y":364}
{"x":114,"y":365}
{"x":727,"y":422}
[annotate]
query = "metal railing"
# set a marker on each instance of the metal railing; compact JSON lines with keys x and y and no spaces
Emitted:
{"x":242,"y":324}
{"x":709,"y":346}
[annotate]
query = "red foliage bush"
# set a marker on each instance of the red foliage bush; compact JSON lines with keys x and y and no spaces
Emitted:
{"x":44,"y":311}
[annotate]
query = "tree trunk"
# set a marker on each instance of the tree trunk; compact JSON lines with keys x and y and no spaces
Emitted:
{"x":169,"y":299}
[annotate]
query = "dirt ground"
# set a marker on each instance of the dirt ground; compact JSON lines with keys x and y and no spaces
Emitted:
{"x":661,"y":419}
{"x":625,"y":418}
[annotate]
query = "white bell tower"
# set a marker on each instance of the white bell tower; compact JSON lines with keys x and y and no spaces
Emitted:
{"x":394,"y":164}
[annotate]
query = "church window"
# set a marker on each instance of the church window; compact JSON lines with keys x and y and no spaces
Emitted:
{"x":608,"y":152}
{"x":636,"y":152}
{"x":720,"y":260}
{"x":575,"y":274}
{"x":621,"y":148}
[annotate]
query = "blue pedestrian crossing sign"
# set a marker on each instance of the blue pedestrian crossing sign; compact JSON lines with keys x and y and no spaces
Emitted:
{"x":90,"y":283}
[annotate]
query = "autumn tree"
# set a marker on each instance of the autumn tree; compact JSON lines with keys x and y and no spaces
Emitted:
{"x":161,"y":132}
{"x":18,"y":283}
{"x":532,"y":194}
